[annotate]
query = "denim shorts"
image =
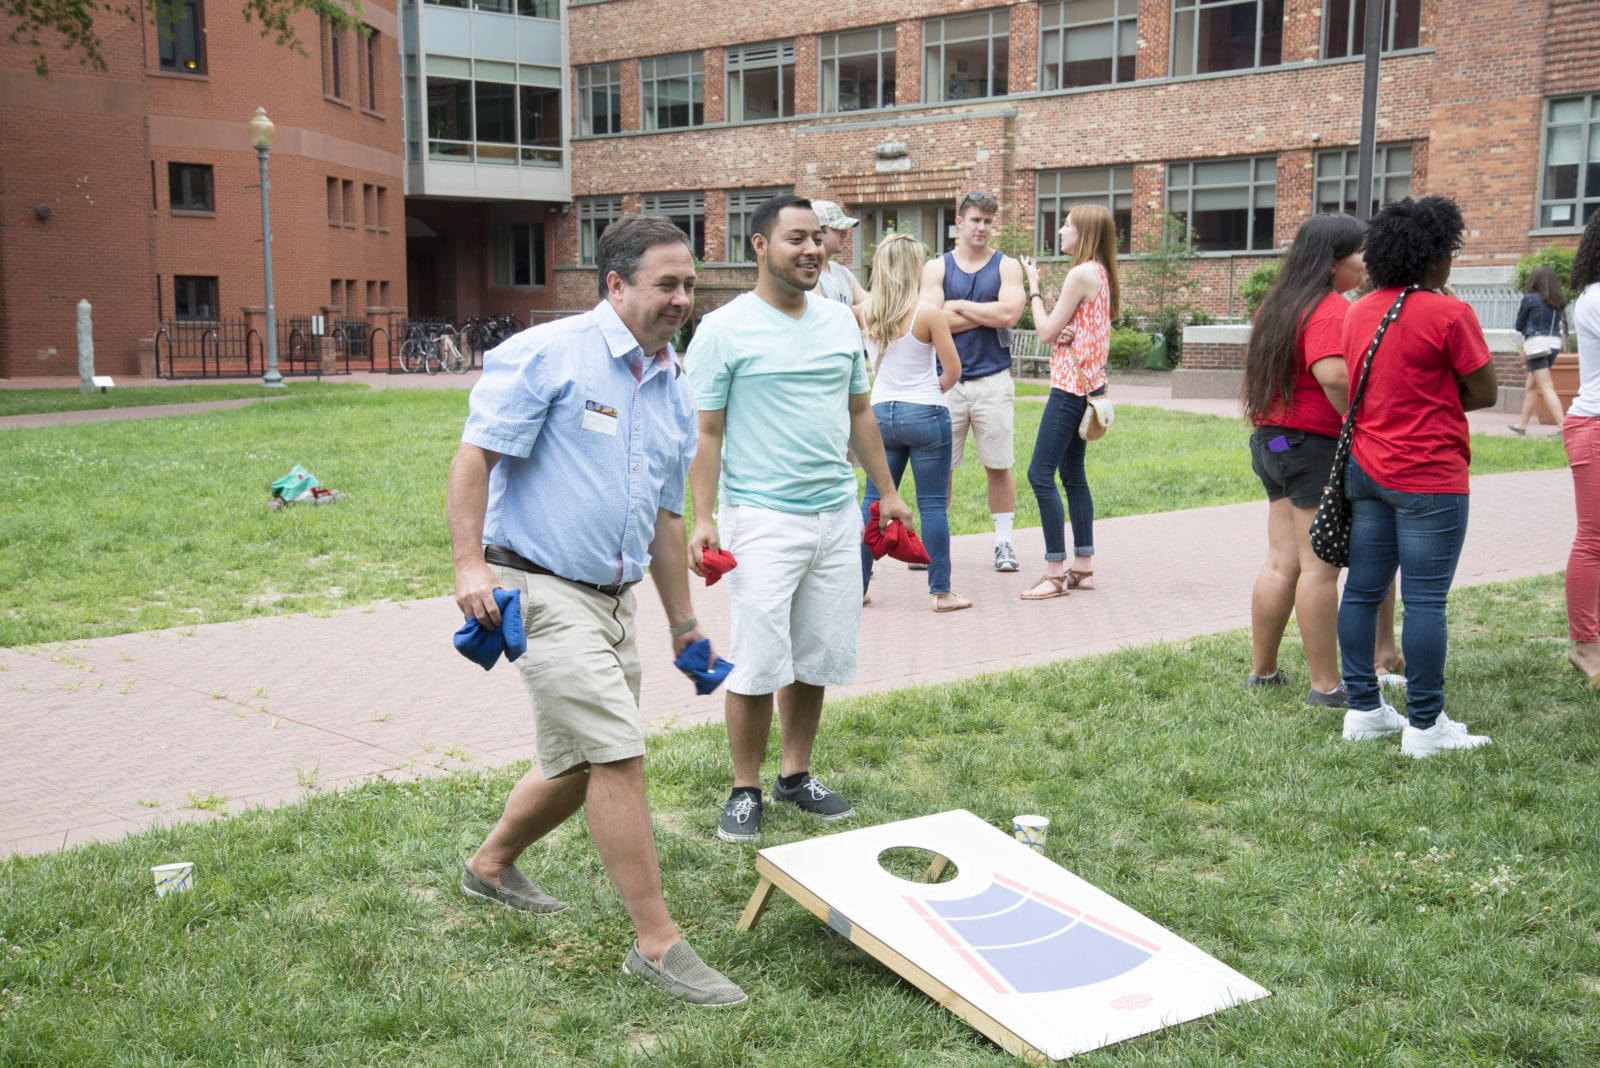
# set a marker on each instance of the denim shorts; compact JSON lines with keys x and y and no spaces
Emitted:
{"x":1539,"y":363}
{"x":1299,"y":472}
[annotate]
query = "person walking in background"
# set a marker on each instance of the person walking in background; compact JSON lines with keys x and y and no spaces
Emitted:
{"x":837,"y":281}
{"x":914,"y":361}
{"x":981,"y":292}
{"x":1541,"y":320}
{"x":1580,"y":431}
{"x":1079,"y":325}
{"x":1407,"y":477}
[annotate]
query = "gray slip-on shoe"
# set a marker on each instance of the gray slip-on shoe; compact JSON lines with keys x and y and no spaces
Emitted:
{"x":514,"y":890}
{"x":683,"y":975}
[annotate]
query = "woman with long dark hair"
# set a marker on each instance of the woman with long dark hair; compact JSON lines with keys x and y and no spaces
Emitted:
{"x":1407,"y":477}
{"x":1078,"y":329}
{"x":1581,"y":434}
{"x":1541,"y":317}
{"x":1295,"y":392}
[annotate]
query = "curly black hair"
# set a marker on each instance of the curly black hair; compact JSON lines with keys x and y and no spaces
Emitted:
{"x":1408,"y":236}
{"x":1586,"y":264}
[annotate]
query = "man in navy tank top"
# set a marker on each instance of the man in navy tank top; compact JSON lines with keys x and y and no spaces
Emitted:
{"x":982,"y":294}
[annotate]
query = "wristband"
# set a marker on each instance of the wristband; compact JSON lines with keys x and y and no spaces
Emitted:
{"x":678,"y":630}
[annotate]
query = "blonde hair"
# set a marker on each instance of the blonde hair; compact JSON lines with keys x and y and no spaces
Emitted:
{"x":896,"y":283}
{"x":1097,"y":240}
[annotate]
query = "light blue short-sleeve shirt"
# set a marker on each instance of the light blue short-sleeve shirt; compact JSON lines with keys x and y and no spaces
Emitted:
{"x":588,"y":452}
{"x":784,"y":385}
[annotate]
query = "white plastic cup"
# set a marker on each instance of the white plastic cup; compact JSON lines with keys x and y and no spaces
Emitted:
{"x":1031,"y":831}
{"x":173,"y":878}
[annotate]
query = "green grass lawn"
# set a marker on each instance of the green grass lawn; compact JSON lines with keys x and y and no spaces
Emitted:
{"x":1402,"y":913}
{"x":31,"y":401}
{"x":139,"y":525}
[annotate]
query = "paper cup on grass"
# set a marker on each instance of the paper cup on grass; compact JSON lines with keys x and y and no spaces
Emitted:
{"x":173,"y":878}
{"x":1031,"y":831}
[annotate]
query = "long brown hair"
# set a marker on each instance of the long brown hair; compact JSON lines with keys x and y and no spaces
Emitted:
{"x":1271,"y":359}
{"x":1097,"y":240}
{"x":1543,"y":282}
{"x":1586,"y":264}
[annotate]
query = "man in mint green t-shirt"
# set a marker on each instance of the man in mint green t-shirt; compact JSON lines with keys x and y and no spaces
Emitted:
{"x":780,"y":377}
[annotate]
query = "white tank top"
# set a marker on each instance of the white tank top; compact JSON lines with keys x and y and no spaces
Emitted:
{"x":909,"y":371}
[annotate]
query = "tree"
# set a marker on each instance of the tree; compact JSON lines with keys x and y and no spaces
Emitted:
{"x":33,"y":22}
{"x":1159,"y":273}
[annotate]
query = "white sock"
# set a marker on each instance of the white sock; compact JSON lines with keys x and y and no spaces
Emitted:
{"x":1002,"y":527}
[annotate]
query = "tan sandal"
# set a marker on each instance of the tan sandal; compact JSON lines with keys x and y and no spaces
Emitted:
{"x":1058,"y":585}
{"x":953,"y":604}
{"x":1075,"y":579}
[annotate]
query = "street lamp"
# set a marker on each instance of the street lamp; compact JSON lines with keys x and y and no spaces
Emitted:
{"x":262,"y":133}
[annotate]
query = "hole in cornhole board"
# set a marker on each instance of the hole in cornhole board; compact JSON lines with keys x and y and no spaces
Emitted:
{"x":917,"y":865}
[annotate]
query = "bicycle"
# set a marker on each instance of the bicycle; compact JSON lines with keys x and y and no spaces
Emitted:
{"x":432,"y":348}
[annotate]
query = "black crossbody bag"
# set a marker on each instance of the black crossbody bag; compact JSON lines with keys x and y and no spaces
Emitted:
{"x":1330,"y":527}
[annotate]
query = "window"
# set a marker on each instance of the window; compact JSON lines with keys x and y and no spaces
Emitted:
{"x":370,"y":85}
{"x":383,"y":293}
{"x":332,"y":59}
{"x":600,"y":99}
{"x":964,"y":57}
{"x":742,"y":203}
{"x":348,"y":189}
{"x":1230,"y":204}
{"x":1061,"y":191}
{"x":1336,"y":178}
{"x":180,"y":40}
{"x":534,"y":9}
{"x":350,"y":298}
{"x":857,"y":69}
{"x":335,"y":294}
{"x":1218,"y":35}
{"x":518,"y":254}
{"x":490,"y":111}
{"x":383,"y":207}
{"x":1086,"y":42}
{"x":335,"y":203}
{"x":672,"y":89}
{"x":369,"y":205}
{"x":189,"y":186}
{"x":1569,"y":191}
{"x":1344,"y":26}
{"x":194,"y":298}
{"x":594,"y":215}
{"x":372,"y":294}
{"x":687,"y":211}
{"x":760,"y":81}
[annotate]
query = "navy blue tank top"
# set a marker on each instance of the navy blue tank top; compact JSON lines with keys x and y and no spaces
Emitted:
{"x":982,"y":354}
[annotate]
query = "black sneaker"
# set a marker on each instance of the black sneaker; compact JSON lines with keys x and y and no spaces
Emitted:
{"x":1334,"y":698}
{"x":1277,"y":678}
{"x":813,"y":797}
{"x":741,"y":818}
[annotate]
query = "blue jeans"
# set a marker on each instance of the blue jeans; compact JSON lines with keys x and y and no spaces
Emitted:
{"x":1059,"y":449}
{"x":1421,"y":534}
{"x":918,"y":434}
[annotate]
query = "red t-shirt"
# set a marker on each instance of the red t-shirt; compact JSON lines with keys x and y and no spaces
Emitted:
{"x":1320,"y":337}
{"x":1411,"y":433}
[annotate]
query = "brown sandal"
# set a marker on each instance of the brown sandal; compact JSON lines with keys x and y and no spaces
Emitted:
{"x":1058,"y":582}
{"x":1075,"y":579}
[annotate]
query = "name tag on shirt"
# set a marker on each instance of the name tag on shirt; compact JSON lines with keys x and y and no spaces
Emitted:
{"x":599,"y":418}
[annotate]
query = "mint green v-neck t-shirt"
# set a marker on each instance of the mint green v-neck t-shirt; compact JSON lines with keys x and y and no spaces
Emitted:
{"x":784,"y":385}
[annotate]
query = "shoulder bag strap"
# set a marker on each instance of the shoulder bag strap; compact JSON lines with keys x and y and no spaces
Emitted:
{"x":1341,"y":452}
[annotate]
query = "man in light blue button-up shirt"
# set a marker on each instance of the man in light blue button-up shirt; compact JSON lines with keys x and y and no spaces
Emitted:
{"x":568,"y":483}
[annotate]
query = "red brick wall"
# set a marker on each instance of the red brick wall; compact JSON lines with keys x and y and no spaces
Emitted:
{"x":98,"y":144}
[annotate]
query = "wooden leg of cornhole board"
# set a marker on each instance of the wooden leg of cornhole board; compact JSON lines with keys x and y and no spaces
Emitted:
{"x":936,"y":869}
{"x":758,"y":904}
{"x":982,"y":1022}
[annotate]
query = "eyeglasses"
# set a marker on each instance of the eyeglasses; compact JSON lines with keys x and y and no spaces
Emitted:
{"x":987,"y":201}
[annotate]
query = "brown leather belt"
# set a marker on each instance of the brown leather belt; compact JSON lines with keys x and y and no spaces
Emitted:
{"x":503,"y":557}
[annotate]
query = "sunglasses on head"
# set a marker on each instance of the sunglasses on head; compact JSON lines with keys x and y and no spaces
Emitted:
{"x":981,"y":199}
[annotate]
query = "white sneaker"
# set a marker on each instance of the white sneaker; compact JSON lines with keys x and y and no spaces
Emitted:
{"x":1445,"y":733}
{"x":1375,"y":723}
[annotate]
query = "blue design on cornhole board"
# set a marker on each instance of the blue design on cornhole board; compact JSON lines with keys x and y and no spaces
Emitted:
{"x":1035,"y":945}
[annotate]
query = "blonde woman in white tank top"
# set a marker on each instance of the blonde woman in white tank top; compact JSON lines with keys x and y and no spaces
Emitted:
{"x":914,"y":362}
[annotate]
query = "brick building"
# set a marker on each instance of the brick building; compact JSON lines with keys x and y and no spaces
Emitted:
{"x":1242,"y":115}
{"x":136,"y":186}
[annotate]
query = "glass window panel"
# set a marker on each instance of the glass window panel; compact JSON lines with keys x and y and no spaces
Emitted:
{"x":496,"y":112}
{"x":1222,"y":171}
{"x":1567,"y":110}
{"x":449,"y":109}
{"x":449,"y":67}
{"x":1221,"y":199}
{"x":485,"y":70}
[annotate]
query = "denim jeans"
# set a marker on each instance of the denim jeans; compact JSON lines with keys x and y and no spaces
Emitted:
{"x":1059,"y":449}
{"x":1421,"y":534}
{"x":918,"y":434}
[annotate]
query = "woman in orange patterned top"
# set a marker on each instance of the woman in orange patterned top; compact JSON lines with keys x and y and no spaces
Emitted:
{"x":1079,"y":326}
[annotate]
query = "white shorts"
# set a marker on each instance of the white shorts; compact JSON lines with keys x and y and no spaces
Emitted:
{"x":988,"y":406}
{"x":795,"y":596}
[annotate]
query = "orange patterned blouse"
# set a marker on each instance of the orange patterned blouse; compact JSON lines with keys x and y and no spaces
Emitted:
{"x":1090,"y":347}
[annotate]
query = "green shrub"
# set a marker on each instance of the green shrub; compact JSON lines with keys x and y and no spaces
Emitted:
{"x":1254,"y":289}
{"x":1129,"y":347}
{"x":1549,"y":256}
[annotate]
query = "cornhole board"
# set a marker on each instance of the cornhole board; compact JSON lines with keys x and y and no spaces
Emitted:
{"x":1036,"y":959}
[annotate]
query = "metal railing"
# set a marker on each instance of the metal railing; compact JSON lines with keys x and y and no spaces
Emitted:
{"x":232,"y":348}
